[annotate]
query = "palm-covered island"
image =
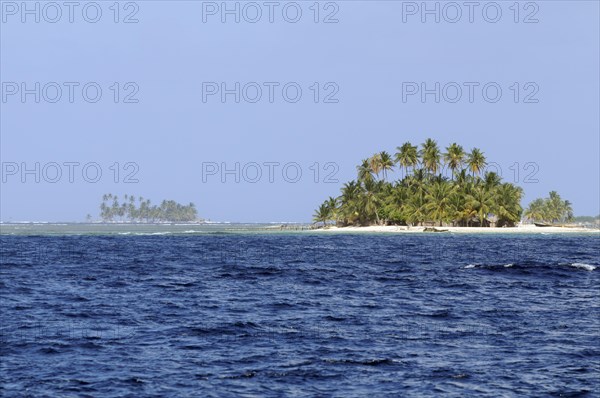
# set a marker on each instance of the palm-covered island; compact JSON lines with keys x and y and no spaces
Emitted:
{"x":465,"y":196}
{"x":143,"y":211}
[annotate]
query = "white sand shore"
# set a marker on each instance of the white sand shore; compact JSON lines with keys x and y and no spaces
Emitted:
{"x":524,"y":229}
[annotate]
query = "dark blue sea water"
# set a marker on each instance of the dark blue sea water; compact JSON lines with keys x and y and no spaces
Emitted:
{"x":300,"y":315}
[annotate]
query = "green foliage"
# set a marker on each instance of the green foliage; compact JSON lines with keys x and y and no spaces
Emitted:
{"x":550,"y":210}
{"x":424,"y":195}
{"x":168,"y":211}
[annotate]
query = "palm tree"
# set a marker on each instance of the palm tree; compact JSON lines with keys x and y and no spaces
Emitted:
{"x":104,"y":212}
{"x":438,"y":201}
{"x":482,"y":201}
{"x":413,"y":210}
{"x":418,"y":181}
{"x":568,"y":211}
{"x":555,"y":206}
{"x":460,"y":213}
{"x":321,"y":214}
{"x":536,"y":210}
{"x":407,"y":156}
{"x":365,"y":172}
{"x":349,"y":202}
{"x":386,"y":163}
{"x":430,"y":155}
{"x":491,"y":180}
{"x":507,"y":204}
{"x":395,"y":202}
{"x":332,"y":205}
{"x":463,"y":179}
{"x":123,"y":210}
{"x":376,"y":164}
{"x":476,"y":161}
{"x":454,"y":157}
{"x":115,"y":208}
{"x":131,"y":209}
{"x":370,"y":202}
{"x":350,"y":191}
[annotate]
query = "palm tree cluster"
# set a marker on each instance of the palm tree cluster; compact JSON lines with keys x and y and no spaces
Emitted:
{"x":143,"y":211}
{"x":551,"y":209}
{"x":470,"y":197}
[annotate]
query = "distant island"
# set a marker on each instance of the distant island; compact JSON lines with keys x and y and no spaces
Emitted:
{"x":141,"y":210}
{"x":588,"y":221}
{"x":426,"y":197}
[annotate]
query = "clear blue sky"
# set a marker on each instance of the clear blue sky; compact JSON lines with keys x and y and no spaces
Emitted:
{"x":368,"y":54}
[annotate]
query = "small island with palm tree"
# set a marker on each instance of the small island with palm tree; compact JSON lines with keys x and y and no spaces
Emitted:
{"x":128,"y":211}
{"x":427,"y":198}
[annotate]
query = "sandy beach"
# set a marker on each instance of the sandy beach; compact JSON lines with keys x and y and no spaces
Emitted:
{"x":464,"y":230}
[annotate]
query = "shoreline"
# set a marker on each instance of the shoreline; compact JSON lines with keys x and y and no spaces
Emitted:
{"x":526,"y":229}
{"x":234,"y":228}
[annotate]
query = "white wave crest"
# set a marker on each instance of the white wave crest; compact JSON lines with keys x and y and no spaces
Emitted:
{"x":587,"y":267}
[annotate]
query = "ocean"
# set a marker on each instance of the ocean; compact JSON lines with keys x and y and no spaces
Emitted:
{"x":238,"y":310}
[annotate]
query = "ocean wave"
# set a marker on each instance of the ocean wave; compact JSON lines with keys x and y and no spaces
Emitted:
{"x":145,"y":233}
{"x":190,"y":231}
{"x":587,"y":267}
{"x":27,"y":222}
{"x":469,"y":266}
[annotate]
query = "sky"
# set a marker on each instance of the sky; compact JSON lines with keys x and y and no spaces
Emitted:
{"x":260,"y":119}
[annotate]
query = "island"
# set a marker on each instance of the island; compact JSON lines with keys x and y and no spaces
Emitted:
{"x":141,"y":210}
{"x":438,"y":191}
